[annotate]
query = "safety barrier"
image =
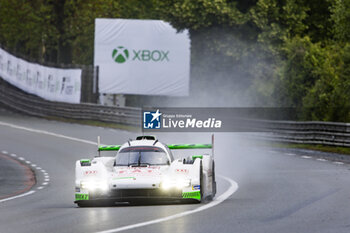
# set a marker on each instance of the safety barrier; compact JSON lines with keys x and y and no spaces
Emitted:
{"x":310,"y":132}
{"x":29,"y":104}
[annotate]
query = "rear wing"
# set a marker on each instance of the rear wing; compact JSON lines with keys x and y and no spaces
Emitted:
{"x":189,"y":146}
{"x":170,"y":146}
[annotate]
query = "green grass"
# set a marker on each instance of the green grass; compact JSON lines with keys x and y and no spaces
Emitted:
{"x":317,"y":147}
{"x":97,"y":123}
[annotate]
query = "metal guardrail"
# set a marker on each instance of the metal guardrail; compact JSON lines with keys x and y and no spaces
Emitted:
{"x":29,"y":104}
{"x":308,"y":132}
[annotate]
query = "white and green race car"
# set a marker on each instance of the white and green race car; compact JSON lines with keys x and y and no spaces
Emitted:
{"x":144,"y":169}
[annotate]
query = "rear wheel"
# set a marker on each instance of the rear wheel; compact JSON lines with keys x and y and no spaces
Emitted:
{"x":201,"y":180}
{"x":213,"y":181}
{"x":213,"y":184}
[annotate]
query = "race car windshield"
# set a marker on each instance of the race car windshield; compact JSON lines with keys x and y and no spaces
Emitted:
{"x":141,"y":156}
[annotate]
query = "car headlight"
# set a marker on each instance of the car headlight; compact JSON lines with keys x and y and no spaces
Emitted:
{"x":175,"y":183}
{"x":93,"y":185}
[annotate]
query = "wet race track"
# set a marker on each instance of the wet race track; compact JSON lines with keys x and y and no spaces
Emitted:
{"x":260,"y":189}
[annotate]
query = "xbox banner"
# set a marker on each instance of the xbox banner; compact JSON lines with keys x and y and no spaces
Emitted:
{"x":144,"y":57}
{"x":53,"y":84}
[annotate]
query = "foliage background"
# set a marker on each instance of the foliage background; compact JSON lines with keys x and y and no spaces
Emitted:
{"x":290,"y":53}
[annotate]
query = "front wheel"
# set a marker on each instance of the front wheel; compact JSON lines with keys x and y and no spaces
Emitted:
{"x":85,"y":204}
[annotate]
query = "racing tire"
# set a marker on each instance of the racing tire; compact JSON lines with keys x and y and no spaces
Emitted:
{"x":213,"y":185}
{"x":84,"y":204}
{"x":213,"y":181}
{"x":95,"y":203}
{"x":201,"y":181}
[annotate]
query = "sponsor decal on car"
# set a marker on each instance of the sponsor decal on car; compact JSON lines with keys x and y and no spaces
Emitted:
{"x":183,"y":170}
{"x":90,"y":172}
{"x":134,"y":171}
{"x":81,"y":196}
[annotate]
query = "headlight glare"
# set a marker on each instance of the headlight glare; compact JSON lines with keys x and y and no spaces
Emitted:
{"x":93,"y":185}
{"x":175,"y":183}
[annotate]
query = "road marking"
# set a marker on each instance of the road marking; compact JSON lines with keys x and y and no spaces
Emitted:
{"x":47,"y":133}
{"x":14,"y":197}
{"x":322,"y":160}
{"x":306,"y":157}
{"x":232,"y":189}
{"x":339,"y":163}
{"x":33,"y":165}
{"x":4,"y":152}
{"x":290,"y":154}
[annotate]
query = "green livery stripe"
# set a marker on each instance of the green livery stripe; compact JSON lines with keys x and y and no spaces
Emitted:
{"x":81,"y":197}
{"x":189,"y":146}
{"x":123,"y":178}
{"x":197,"y":157}
{"x":109,"y":148}
{"x":85,"y":160}
{"x":192,"y":195}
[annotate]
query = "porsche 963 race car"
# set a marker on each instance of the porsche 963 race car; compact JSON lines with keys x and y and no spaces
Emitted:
{"x":145,"y":169}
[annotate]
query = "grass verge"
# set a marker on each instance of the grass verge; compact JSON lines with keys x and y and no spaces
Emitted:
{"x":332,"y":149}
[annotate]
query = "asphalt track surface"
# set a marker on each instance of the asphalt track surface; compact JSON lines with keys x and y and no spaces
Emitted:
{"x":279,"y":191}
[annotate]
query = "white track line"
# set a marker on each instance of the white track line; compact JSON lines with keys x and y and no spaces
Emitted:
{"x":4,"y":152}
{"x":306,"y":157}
{"x":14,"y":197}
{"x":47,"y":133}
{"x":290,"y":154}
{"x":339,"y":163}
{"x":233,"y":188}
{"x":322,"y":160}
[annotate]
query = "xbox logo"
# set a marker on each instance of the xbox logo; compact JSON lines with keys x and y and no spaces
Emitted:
{"x":120,"y":54}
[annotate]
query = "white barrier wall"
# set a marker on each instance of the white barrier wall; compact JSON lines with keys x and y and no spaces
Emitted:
{"x":55,"y":84}
{"x":143,"y":57}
